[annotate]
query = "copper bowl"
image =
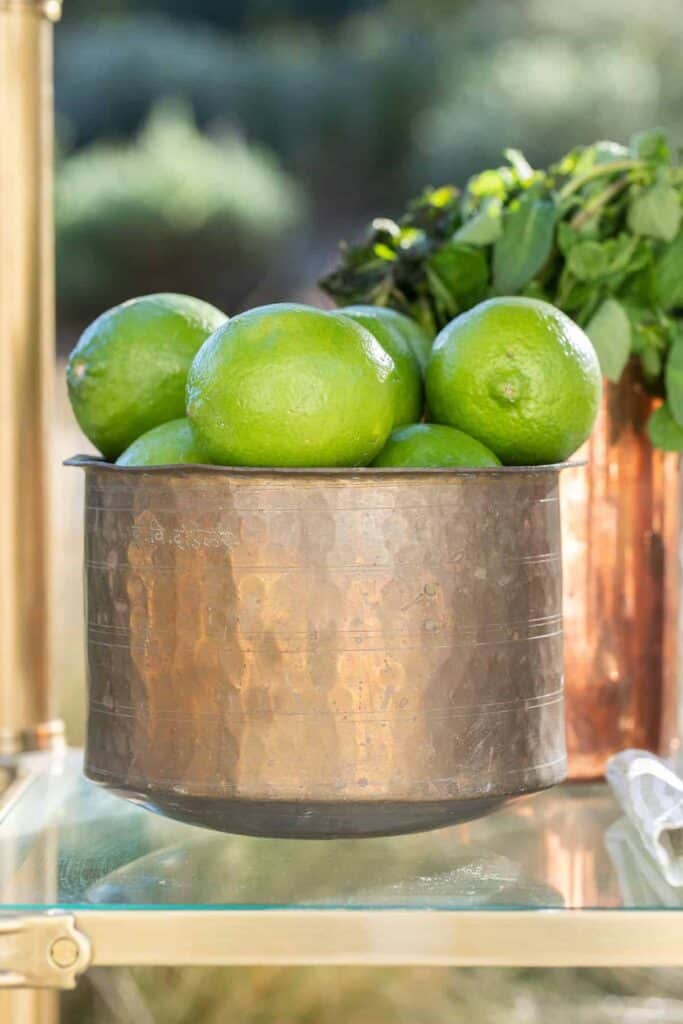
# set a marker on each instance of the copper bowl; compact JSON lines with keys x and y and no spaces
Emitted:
{"x":322,"y":653}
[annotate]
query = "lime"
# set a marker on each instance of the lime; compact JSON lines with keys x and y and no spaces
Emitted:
{"x":419,"y":341}
{"x":518,"y":375}
{"x":128,"y":372}
{"x":409,"y":394}
{"x":170,"y":444}
{"x":431,"y":444}
{"x":289,"y":385}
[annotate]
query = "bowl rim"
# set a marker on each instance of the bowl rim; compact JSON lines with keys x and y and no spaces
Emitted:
{"x":99,"y":463}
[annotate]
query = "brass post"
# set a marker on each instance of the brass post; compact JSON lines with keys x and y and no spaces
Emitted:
{"x":27,"y":716}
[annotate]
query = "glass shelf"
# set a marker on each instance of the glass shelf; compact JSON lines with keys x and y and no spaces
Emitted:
{"x":150,"y":890}
{"x":103,"y":851}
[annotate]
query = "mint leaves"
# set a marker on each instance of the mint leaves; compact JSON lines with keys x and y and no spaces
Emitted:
{"x":485,"y":226}
{"x":610,"y":331}
{"x":458,"y":277}
{"x":668,"y":275}
{"x":663,"y":430}
{"x":599,"y":234}
{"x":525,"y":243}
{"x":674,"y":378}
{"x":656,"y":212}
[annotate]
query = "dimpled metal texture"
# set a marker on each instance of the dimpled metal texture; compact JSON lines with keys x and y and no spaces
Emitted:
{"x":323,"y":653}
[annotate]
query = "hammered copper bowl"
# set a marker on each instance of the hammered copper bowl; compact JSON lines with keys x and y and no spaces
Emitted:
{"x":322,"y":653}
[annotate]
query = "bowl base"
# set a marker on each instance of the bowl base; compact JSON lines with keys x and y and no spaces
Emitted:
{"x":291,"y":819}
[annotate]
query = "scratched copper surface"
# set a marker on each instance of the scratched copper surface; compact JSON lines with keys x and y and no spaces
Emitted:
{"x":323,"y":653}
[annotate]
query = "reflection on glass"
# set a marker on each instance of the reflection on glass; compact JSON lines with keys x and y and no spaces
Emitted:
{"x":361,"y":873}
{"x":65,"y":842}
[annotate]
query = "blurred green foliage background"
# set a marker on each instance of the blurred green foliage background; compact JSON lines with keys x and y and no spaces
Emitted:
{"x":222,"y":147}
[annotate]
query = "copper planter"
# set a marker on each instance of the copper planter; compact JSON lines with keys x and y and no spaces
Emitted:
{"x":621,"y":523}
{"x":323,"y":653}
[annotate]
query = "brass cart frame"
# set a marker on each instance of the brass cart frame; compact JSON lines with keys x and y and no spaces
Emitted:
{"x":26,"y":381}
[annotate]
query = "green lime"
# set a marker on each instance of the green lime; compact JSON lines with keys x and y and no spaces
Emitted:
{"x":518,"y":375}
{"x":419,"y":341}
{"x":431,"y":444}
{"x":169,"y":444}
{"x":128,"y":372}
{"x":409,"y":394}
{"x":289,"y":385}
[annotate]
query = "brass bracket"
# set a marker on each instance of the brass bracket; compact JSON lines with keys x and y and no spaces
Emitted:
{"x":42,"y":951}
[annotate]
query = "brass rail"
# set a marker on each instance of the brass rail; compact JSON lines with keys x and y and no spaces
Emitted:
{"x":27,"y":715}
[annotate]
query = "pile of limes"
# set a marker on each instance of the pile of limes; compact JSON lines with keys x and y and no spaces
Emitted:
{"x":167,"y":379}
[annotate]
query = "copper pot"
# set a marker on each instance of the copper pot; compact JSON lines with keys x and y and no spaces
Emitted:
{"x":621,"y":519}
{"x":321,"y":653}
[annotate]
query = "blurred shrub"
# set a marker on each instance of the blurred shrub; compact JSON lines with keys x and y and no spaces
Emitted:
{"x":336,"y":109}
{"x":108,"y":74}
{"x":546,"y":76}
{"x":174,"y":210}
{"x":396,"y":97}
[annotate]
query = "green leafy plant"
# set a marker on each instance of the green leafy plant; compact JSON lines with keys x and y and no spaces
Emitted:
{"x":598,"y":234}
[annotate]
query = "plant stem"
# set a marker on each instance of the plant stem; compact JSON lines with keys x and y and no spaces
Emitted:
{"x":597,"y":202}
{"x":574,"y":184}
{"x":563,"y":294}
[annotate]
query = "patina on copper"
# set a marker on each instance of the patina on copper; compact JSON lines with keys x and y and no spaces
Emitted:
{"x":621,"y":519}
{"x":323,"y":653}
